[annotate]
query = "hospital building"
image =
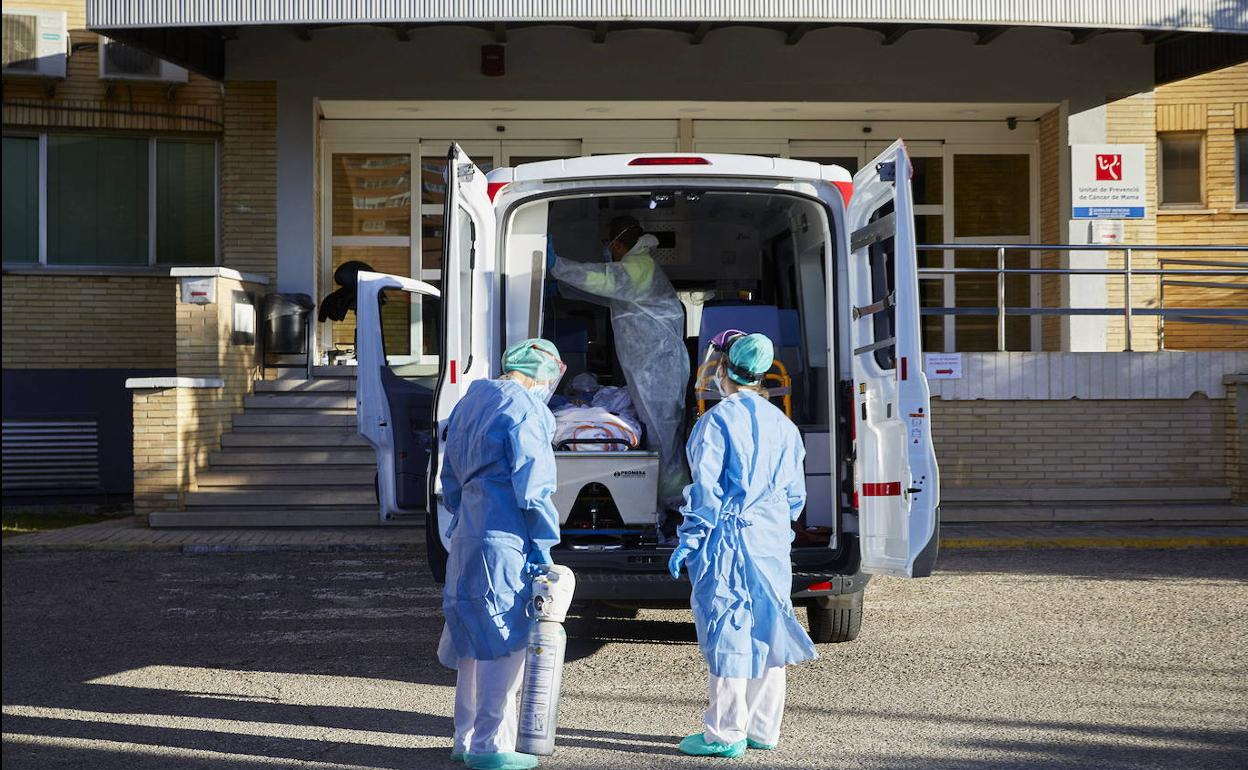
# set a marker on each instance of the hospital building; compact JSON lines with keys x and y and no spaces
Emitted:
{"x":169,"y":165}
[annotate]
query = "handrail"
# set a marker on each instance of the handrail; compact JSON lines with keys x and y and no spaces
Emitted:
{"x":1127,"y":272}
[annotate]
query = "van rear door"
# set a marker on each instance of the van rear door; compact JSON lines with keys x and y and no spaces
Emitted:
{"x":394,"y":391}
{"x":896,"y":479}
{"x":467,"y":260}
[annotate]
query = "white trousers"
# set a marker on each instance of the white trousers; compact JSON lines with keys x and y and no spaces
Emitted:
{"x":746,"y":708}
{"x":485,"y":703}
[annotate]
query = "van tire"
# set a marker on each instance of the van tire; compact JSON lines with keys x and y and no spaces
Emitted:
{"x":835,"y":618}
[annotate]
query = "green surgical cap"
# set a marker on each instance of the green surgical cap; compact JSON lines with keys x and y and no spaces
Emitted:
{"x":536,"y":358}
{"x":753,"y":353}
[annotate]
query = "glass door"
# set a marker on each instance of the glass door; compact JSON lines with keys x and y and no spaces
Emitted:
{"x":369,"y":219}
{"x":992,"y":200}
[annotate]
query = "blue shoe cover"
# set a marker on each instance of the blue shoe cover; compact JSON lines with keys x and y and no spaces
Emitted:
{"x":501,"y":760}
{"x":696,"y":746}
{"x":760,"y":745}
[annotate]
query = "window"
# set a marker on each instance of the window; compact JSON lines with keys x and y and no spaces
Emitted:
{"x":97,"y":201}
{"x":1241,"y":169}
{"x":111,"y":201}
{"x":1181,"y":170}
{"x":21,"y":199}
{"x":467,"y":261}
{"x":185,"y":203}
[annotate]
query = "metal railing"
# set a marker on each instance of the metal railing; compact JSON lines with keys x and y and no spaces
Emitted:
{"x":1207,"y":268}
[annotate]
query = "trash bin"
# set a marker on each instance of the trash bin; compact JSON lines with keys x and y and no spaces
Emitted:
{"x":286,"y":323}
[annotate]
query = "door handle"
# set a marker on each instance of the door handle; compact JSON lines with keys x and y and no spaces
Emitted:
{"x":914,"y":490}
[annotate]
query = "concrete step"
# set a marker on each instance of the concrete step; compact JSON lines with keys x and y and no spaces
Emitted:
{"x":308,"y":439}
{"x":309,"y":419}
{"x":334,"y":371}
{"x":1065,"y":512}
{"x":296,"y":400}
{"x":235,"y":458}
{"x":310,"y":499}
{"x":267,"y":478}
{"x":261,"y":517}
{"x":326,"y":385}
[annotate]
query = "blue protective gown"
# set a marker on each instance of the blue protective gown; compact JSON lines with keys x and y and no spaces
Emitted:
{"x":498,"y":475}
{"x":748,"y":487}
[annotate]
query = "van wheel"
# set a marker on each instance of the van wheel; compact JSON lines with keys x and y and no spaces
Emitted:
{"x":835,"y":618}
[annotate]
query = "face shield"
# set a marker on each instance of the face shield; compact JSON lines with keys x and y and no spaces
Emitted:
{"x":717,"y":354}
{"x":545,"y":388}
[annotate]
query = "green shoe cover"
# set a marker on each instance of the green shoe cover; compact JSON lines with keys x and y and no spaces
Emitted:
{"x":501,"y":760}
{"x":696,"y":746}
{"x":760,"y":745}
{"x":457,"y":756}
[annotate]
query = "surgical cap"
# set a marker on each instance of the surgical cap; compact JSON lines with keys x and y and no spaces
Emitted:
{"x":752,"y":353}
{"x":536,"y":358}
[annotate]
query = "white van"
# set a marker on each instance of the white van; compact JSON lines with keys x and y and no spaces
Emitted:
{"x":824,"y":264}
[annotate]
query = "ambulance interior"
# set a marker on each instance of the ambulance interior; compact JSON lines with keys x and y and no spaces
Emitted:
{"x":752,"y":261}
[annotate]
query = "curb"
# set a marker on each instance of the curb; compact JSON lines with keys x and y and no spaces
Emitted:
{"x":214,"y":548}
{"x":1092,"y":543}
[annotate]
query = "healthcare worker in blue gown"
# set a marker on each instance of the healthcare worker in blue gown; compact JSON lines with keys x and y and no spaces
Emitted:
{"x":748,"y":487}
{"x":498,"y":475}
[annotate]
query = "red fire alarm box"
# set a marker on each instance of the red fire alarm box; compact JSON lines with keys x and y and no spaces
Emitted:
{"x":493,"y":64}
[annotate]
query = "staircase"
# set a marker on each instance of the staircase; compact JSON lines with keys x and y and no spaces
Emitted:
{"x":293,"y":459}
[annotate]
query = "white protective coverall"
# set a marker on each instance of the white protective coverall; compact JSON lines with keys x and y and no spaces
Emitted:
{"x":649,"y":325}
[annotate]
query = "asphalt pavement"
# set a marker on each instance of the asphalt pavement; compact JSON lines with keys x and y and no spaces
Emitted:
{"x":1004,"y":659}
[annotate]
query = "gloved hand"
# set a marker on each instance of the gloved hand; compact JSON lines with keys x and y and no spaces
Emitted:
{"x":551,"y":256}
{"x":677,"y":561}
{"x":536,"y":561}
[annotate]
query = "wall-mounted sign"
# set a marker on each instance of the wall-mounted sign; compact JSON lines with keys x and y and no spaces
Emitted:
{"x":244,"y":331}
{"x":1107,"y":181}
{"x":199,"y":291}
{"x":942,"y":366}
{"x":1107,"y":231}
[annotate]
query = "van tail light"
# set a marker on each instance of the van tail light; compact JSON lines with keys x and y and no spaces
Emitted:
{"x":847,"y":190}
{"x":492,"y":188}
{"x":824,"y":586}
{"x":670,"y":160}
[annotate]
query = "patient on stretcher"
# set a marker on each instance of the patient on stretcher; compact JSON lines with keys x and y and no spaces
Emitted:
{"x":591,"y":411}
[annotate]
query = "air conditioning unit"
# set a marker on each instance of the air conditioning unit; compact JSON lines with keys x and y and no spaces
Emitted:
{"x":119,"y":61}
{"x":36,"y":43}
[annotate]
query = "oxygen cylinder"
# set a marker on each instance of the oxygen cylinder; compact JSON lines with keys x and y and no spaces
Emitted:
{"x":543,"y":662}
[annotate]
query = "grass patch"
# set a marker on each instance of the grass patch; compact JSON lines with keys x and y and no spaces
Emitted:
{"x":27,"y":519}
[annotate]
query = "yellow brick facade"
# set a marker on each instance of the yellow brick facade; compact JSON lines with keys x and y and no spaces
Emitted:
{"x":88,"y":322}
{"x":1135,"y":443}
{"x":126,"y":320}
{"x":1214,"y":106}
{"x":249,"y":178}
{"x":176,"y":428}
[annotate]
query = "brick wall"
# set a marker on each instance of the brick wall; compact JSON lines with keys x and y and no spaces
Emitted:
{"x":1216,"y":105}
{"x":249,"y":178}
{"x":1050,"y":159}
{"x":84,"y":322}
{"x":83,"y":100}
{"x":1132,"y":120}
{"x":1237,"y":435}
{"x":1050,"y":443}
{"x":177,"y":428}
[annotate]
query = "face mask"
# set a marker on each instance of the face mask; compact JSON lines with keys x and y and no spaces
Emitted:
{"x":542,"y":391}
{"x":606,"y":252}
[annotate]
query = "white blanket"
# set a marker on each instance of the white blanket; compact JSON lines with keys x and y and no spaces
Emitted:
{"x":593,"y":422}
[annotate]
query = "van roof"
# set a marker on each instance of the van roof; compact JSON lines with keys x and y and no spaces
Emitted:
{"x":672,"y":164}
